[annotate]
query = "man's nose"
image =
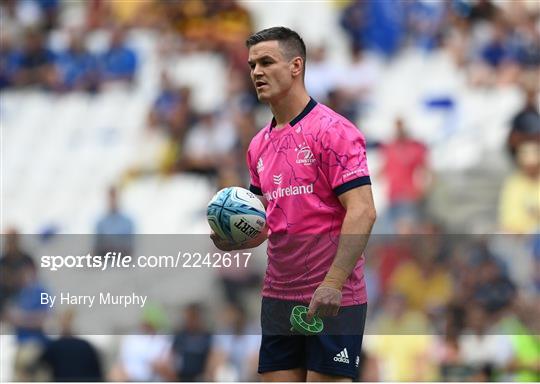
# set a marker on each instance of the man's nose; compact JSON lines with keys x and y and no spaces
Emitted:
{"x":257,"y":71}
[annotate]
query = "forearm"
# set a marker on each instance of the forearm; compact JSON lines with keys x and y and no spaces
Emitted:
{"x":354,"y":236}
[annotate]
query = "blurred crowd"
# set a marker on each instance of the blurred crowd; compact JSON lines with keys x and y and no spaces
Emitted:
{"x":496,"y":43}
{"x":442,"y":307}
{"x":31,"y":59}
{"x":452,"y":307}
{"x":46,"y":44}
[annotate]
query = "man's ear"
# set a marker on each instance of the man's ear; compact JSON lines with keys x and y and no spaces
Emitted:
{"x":297,"y":66}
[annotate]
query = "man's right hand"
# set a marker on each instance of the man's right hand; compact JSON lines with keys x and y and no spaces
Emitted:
{"x":222,"y":244}
{"x":227,"y":245}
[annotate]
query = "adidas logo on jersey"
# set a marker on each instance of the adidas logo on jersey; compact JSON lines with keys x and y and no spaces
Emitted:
{"x":260,"y":166}
{"x":342,"y":357}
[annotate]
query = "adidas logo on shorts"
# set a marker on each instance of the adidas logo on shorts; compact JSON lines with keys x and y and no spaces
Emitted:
{"x":342,"y":357}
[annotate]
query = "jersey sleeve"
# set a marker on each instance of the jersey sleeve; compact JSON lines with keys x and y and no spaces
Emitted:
{"x":343,"y":158}
{"x":254,"y":182}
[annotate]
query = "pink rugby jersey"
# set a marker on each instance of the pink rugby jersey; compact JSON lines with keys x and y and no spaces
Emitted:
{"x":301,"y":169}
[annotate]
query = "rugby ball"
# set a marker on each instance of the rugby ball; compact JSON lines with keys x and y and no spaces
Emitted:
{"x":236,"y":214}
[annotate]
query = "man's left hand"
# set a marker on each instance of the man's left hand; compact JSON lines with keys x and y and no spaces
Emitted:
{"x":325,"y":302}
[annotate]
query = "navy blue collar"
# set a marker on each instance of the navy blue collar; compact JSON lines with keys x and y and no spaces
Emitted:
{"x":312,"y":103}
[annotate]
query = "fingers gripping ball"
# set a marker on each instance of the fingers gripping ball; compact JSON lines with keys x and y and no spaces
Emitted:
{"x":300,"y":325}
{"x":236,"y":214}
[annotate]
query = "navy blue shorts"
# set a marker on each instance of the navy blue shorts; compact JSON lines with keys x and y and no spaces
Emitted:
{"x":336,"y":351}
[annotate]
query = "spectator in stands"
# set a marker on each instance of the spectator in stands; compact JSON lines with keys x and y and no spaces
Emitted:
{"x":239,"y":110}
{"x":519,"y":206}
{"x":482,"y":10}
{"x":192,"y":20}
{"x":389,"y":252}
{"x":208,"y":145}
{"x":486,"y":353}
{"x":353,"y":22}
{"x":356,"y":83}
{"x":70,"y":358}
{"x":496,"y":62}
{"x":9,"y":18}
{"x":237,"y":281}
{"x":119,"y":62}
{"x":231,"y":26}
{"x":425,"y":23}
{"x":9,"y":61}
{"x":526,"y":43}
{"x":32,"y":13}
{"x":321,"y":74}
{"x":405,"y":167}
{"x":402,"y":342}
{"x":494,"y":290}
{"x":15,"y":15}
{"x":425,"y":284}
{"x":12,"y":264}
{"x":525,"y":125}
{"x":497,"y":49}
{"x":100,"y":14}
{"x":399,"y":317}
{"x":50,"y":11}
{"x":129,"y":13}
{"x":235,"y":349}
{"x":171,"y":109}
{"x":35,"y":63}
{"x":27,"y":315}
{"x":77,"y":68}
{"x":339,"y":101}
{"x":231,"y":23}
{"x":363,"y":73}
{"x":520,"y":322}
{"x":191,"y":345}
{"x":464,"y":266}
{"x":240,"y":106}
{"x":96,"y":14}
{"x":146,"y":355}
{"x":221,"y":27}
{"x":446,"y":349}
{"x":115,"y":230}
{"x":172,"y":113}
{"x":376,"y":25}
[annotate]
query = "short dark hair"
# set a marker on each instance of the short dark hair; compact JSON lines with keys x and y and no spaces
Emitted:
{"x":290,"y":41}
